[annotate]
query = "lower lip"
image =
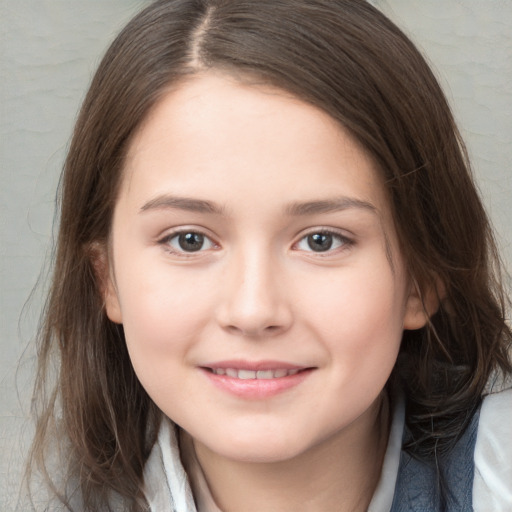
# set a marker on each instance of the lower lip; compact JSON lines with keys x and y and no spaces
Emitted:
{"x":256,"y":389}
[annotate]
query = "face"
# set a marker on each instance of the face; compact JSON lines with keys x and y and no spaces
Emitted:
{"x":254,"y":267}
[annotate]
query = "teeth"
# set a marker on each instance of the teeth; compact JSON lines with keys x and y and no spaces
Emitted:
{"x":264,"y":374}
{"x":250,"y":374}
{"x":246,"y":374}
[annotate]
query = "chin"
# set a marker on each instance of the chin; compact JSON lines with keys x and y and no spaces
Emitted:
{"x":267,"y":448}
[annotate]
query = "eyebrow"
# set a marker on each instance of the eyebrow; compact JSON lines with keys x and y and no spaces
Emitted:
{"x":328,"y":206}
{"x":165,"y":202}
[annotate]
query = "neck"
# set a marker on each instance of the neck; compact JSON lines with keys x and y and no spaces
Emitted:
{"x":340,"y":473}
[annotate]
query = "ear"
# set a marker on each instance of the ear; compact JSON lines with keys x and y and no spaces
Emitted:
{"x":421,"y":305}
{"x":103,"y":273}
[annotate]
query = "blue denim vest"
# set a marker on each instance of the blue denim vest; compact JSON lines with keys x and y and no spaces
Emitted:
{"x":442,"y":486}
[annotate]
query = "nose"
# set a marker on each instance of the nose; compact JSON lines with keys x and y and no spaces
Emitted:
{"x":254,"y":300}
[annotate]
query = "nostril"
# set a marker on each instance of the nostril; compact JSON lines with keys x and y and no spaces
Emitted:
{"x":234,"y":329}
{"x":256,"y":332}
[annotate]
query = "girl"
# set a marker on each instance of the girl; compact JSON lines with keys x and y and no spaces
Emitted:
{"x":275,"y":287}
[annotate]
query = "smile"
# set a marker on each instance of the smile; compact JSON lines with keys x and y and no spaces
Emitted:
{"x":253,"y":374}
{"x":255,"y":381}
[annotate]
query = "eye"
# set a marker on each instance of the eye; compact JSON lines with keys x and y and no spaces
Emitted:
{"x":187,"y":242}
{"x":322,"y":241}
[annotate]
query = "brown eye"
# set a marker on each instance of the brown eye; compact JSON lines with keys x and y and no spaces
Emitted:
{"x":191,"y":242}
{"x":322,"y":241}
{"x":188,"y":241}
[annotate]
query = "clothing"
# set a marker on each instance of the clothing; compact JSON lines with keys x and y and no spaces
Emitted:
{"x":477,"y":474}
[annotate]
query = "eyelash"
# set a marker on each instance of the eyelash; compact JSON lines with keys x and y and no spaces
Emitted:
{"x":166,"y":241}
{"x":343,"y":242}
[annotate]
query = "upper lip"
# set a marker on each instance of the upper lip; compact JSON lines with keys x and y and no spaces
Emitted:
{"x":254,"y":365}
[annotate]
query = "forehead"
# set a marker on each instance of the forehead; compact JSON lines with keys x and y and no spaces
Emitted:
{"x":216,"y":135}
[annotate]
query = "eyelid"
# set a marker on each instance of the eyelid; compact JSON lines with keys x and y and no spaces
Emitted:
{"x":163,"y":240}
{"x":347,"y":241}
{"x":174,"y":232}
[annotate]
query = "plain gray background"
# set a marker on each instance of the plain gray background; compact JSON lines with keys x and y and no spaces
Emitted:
{"x":50,"y":48}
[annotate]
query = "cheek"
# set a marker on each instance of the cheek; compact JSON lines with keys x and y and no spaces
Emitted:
{"x":360,"y":314}
{"x":354,"y":296}
{"x":163,"y":322}
{"x":163,"y":313}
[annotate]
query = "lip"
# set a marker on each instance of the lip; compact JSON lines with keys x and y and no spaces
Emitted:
{"x":254,"y":365}
{"x":254,"y":388}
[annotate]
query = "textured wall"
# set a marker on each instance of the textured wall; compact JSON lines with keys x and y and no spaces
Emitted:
{"x":469,"y":44}
{"x":49,"y":49}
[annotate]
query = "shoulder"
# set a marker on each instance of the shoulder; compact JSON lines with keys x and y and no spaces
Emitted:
{"x":476,"y":474}
{"x":492,"y":486}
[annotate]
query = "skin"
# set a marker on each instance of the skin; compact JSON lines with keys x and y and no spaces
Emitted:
{"x":256,"y":291}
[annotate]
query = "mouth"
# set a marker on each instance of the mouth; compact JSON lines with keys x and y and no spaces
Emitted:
{"x":243,"y":374}
{"x":255,"y":381}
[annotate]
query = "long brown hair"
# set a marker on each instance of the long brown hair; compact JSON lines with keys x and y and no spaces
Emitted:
{"x":346,"y":58}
